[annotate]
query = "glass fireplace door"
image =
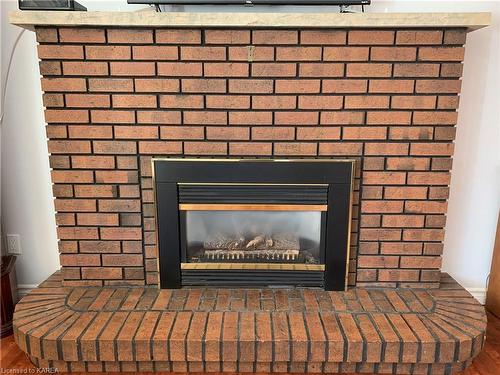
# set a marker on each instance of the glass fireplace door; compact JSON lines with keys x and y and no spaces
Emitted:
{"x":256,"y":237}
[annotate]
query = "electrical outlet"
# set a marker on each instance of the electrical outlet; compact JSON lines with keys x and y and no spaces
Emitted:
{"x":14,"y":244}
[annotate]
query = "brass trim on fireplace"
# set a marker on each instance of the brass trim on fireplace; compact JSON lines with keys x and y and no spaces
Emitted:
{"x":251,"y":207}
{"x":349,"y":229}
{"x":252,"y":266}
{"x":242,"y":184}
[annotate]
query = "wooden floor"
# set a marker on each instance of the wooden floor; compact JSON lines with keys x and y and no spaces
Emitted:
{"x":487,"y":363}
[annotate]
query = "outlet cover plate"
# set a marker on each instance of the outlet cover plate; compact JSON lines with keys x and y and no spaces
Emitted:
{"x":14,"y":244}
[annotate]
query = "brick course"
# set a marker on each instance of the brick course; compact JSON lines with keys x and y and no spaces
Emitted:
{"x":116,"y":98}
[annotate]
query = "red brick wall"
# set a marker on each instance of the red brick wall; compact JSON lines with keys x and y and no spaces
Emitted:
{"x":117,"y":97}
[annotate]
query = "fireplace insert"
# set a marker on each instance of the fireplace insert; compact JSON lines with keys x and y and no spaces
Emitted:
{"x":253,"y":222}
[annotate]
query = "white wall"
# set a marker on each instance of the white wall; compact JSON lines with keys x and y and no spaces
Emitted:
{"x":27,"y":207}
{"x":475,"y":193}
{"x":475,"y":186}
{"x":26,"y":193}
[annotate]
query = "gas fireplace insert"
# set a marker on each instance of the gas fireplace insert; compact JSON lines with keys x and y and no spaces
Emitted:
{"x":253,"y":222}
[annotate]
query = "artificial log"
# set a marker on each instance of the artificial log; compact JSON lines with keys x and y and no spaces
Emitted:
{"x":255,"y":242}
{"x":278,"y":241}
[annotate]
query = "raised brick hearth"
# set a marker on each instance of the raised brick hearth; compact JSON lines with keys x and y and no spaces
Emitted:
{"x":118,"y":96}
{"x":251,"y":330}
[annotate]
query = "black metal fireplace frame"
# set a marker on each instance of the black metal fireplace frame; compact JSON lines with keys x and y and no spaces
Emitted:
{"x":168,"y":173}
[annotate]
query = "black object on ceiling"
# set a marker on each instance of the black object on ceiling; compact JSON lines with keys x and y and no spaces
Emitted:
{"x":251,"y":2}
{"x":50,"y":5}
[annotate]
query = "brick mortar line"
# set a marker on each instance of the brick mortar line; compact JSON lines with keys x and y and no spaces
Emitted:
{"x":429,"y":328}
{"x":133,"y":344}
{"x":466,"y":323}
{"x":30,"y":311}
{"x":82,"y":332}
{"x":35,"y":322}
{"x":66,"y":316}
{"x":415,"y":333}
{"x":155,"y":29}
{"x":117,"y":334}
{"x":327,"y":341}
{"x":153,"y":332}
{"x":453,"y":336}
{"x":383,"y":347}
{"x":364,"y":348}
{"x":290,"y":341}
{"x":221,"y":340}
{"x":398,"y":334}
{"x":344,"y":337}
{"x":59,"y":347}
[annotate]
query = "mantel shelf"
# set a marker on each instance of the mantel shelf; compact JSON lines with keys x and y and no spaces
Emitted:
{"x":30,"y":19}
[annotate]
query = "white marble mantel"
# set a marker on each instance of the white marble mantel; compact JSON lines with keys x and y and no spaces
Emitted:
{"x":471,"y":21}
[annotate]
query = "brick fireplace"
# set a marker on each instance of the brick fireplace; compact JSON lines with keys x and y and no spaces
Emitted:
{"x":120,"y":92}
{"x":116,"y":98}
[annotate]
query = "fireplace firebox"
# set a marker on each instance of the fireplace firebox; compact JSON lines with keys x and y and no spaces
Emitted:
{"x":253,"y":222}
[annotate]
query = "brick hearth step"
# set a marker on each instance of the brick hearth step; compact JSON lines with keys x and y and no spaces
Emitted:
{"x":250,"y":330}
